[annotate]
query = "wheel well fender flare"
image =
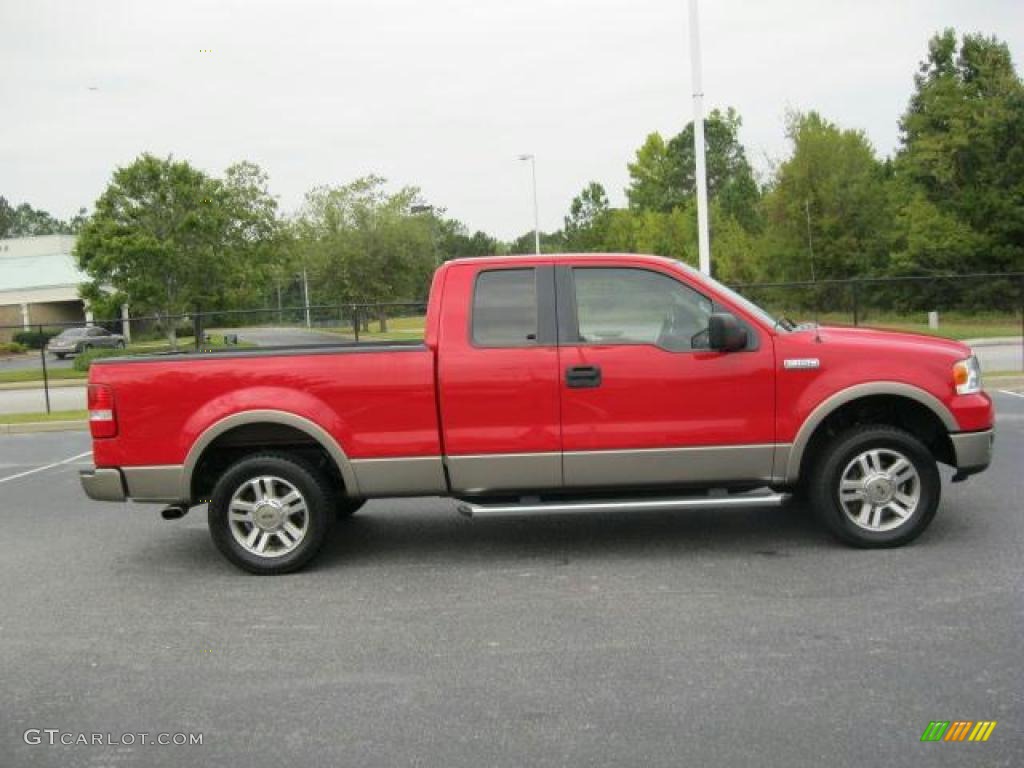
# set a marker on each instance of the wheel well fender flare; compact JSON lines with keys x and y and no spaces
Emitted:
{"x":263,"y":416}
{"x":856,"y":392}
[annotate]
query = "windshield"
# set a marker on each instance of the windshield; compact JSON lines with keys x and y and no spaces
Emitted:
{"x":745,"y":303}
{"x":71,"y":332}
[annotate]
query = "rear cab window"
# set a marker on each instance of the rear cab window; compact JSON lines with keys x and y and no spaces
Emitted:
{"x":505,"y":308}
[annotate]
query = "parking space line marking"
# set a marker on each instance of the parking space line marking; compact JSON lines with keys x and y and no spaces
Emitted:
{"x":1008,"y":392}
{"x":43,"y":469}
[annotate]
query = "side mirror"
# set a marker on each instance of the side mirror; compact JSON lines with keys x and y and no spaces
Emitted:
{"x":725,"y":333}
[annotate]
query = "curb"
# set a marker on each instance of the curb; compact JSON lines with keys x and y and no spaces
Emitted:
{"x":1002,"y":382}
{"x":994,"y":341}
{"x":43,"y":426}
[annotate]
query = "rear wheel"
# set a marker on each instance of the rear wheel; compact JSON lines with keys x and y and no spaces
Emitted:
{"x":60,"y":355}
{"x":875,"y":486}
{"x":271,"y":513}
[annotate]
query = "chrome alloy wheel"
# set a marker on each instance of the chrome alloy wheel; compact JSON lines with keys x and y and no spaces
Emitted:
{"x":879,"y":490}
{"x":268,"y":516}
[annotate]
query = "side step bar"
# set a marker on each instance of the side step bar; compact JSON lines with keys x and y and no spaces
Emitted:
{"x":474,"y":509}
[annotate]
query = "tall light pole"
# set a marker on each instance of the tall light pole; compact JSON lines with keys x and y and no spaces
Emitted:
{"x":536,"y":214}
{"x":703,"y":240}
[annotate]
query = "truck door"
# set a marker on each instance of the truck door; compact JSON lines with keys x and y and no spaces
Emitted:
{"x":498,"y":378}
{"x":644,"y":401}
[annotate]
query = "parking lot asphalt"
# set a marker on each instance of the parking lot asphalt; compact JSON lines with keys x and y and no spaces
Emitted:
{"x":741,"y":637}
{"x":32,"y":361}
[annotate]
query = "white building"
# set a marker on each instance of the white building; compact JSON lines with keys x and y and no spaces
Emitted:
{"x":39,"y":283}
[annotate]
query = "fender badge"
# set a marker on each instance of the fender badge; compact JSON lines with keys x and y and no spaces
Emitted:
{"x":801,"y":363}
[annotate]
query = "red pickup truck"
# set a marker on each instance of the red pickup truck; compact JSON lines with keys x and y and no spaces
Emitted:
{"x":548,"y":383}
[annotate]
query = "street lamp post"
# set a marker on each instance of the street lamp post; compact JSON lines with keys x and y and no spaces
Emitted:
{"x":703,"y":240}
{"x":536,"y":214}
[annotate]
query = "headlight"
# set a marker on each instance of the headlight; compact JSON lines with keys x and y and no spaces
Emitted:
{"x":967,"y":376}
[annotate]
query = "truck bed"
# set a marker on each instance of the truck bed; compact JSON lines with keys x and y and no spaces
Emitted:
{"x":377,"y":398}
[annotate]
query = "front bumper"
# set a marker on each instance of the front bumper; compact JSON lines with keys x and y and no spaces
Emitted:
{"x":102,"y":484}
{"x":973,"y":451}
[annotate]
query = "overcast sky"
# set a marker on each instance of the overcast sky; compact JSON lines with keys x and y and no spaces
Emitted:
{"x":442,"y":94}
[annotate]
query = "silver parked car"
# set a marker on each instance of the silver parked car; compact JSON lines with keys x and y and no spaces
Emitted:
{"x":72,"y":341}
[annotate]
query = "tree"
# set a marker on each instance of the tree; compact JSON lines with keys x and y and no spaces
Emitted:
{"x":550,"y":242}
{"x":663,"y":174}
{"x":365,"y":245}
{"x":454,"y":240}
{"x":588,"y":217}
{"x":834,"y":180}
{"x":962,"y":151}
{"x":253,"y":236}
{"x":6,"y":218}
{"x":171,"y":239}
{"x":654,"y":185}
{"x":26,"y":221}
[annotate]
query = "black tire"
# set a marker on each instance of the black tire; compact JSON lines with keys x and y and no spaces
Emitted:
{"x":823,"y":486}
{"x":119,"y":345}
{"x":310,"y":483}
{"x":346,"y":507}
{"x":60,"y":355}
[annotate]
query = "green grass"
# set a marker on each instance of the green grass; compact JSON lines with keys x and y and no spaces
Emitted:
{"x":951,"y":325}
{"x":187,"y":345}
{"x":29,"y":418}
{"x":36,"y":374}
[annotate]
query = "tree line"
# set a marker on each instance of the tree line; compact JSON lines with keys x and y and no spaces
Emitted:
{"x":171,"y":239}
{"x":950,"y":200}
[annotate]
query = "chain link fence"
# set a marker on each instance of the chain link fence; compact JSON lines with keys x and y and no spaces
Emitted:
{"x":43,"y":367}
{"x":38,"y":375}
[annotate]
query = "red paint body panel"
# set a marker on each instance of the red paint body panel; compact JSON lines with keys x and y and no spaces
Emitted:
{"x":375,"y":404}
{"x":852,"y":356}
{"x":454,"y":398}
{"x":652,"y":398}
{"x":493,"y":400}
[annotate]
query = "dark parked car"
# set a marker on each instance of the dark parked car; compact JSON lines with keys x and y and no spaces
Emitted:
{"x":72,"y":341}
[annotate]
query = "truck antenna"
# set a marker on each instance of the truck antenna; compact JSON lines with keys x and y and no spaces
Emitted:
{"x":810,"y":252}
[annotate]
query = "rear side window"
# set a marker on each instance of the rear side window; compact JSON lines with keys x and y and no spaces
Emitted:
{"x":505,"y":308}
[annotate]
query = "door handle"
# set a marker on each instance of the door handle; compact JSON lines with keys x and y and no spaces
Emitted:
{"x":583,"y":376}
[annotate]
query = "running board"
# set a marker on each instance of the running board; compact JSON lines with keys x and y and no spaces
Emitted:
{"x":473,"y":509}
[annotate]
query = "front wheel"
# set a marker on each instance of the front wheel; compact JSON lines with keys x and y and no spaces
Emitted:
{"x":875,"y":486}
{"x":271,"y":513}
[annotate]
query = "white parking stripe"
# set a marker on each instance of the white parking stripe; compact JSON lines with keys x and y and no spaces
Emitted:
{"x":1008,"y":392}
{"x":43,"y":469}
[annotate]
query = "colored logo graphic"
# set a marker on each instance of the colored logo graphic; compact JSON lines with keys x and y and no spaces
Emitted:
{"x":958,"y":730}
